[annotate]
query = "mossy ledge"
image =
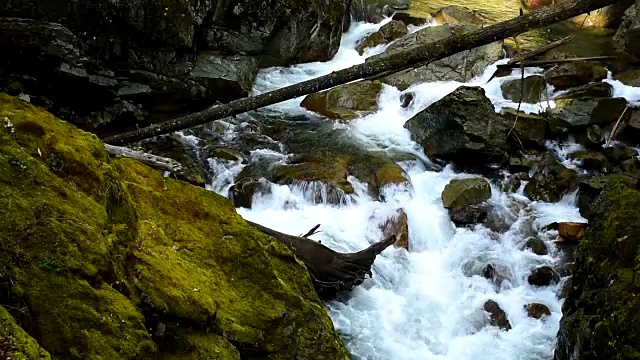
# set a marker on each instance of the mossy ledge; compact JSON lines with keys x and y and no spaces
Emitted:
{"x":601,"y":315}
{"x":106,"y":259}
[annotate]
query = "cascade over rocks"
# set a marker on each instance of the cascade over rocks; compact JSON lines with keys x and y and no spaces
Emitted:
{"x":462,"y":127}
{"x":461,"y":67}
{"x":550,"y":180}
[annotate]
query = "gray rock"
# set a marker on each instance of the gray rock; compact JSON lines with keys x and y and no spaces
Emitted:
{"x":528,"y":90}
{"x":571,"y":113}
{"x":462,"y":66}
{"x":463,"y":127}
{"x":628,"y":35}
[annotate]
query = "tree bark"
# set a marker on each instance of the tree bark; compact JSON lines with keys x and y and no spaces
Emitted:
{"x":157,"y":162}
{"x":421,"y":54}
{"x":331,"y":272}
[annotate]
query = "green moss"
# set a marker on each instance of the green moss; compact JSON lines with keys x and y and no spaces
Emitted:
{"x":99,"y":251}
{"x":15,"y":343}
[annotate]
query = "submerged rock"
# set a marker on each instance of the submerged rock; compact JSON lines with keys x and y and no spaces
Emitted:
{"x":345,"y":102}
{"x":130,"y":261}
{"x":497,"y":316}
{"x":462,"y":127}
{"x":461,"y":67}
{"x":388,"y":32}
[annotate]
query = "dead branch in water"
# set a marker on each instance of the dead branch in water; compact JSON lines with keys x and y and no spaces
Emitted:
{"x":156,"y":162}
{"x":331,"y":272}
{"x":425,"y":53}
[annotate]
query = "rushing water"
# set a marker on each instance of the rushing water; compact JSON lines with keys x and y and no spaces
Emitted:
{"x":425,"y":303}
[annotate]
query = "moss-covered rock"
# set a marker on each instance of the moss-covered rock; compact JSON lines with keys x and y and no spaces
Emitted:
{"x":390,"y":31}
{"x":460,"y":193}
{"x":345,"y":102}
{"x":113,"y":261}
{"x":600,"y":315}
{"x":15,"y":343}
{"x":529,"y":130}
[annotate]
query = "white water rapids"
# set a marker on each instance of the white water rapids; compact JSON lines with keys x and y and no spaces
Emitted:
{"x":425,"y":303}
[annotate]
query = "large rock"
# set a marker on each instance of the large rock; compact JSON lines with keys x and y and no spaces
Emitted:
{"x":550,"y":181}
{"x":462,"y":66}
{"x":463,"y":127}
{"x":568,"y":75}
{"x":114,"y":261}
{"x":529,"y":130}
{"x":600,"y":314}
{"x":591,"y":90}
{"x":572,"y":113}
{"x":345,"y":102}
{"x":628,"y":35}
{"x":390,"y":31}
{"x":497,"y":316}
{"x":543,"y":276}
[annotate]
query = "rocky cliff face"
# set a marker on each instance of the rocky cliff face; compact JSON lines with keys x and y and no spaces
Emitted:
{"x":105,"y":258}
{"x":134,"y":62}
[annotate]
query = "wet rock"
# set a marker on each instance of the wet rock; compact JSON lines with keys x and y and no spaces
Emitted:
{"x":521,"y":164}
{"x":571,"y":113}
{"x":595,"y":136}
{"x":569,"y":75}
{"x":529,"y":130}
{"x":630,"y":77}
{"x":408,"y":19}
{"x":231,"y":75}
{"x":407,"y":99}
{"x":550,"y":181}
{"x":590,"y":160}
{"x":388,"y":32}
{"x":345,"y":102}
{"x":527,"y":90}
{"x":497,"y":316}
{"x":172,"y":146}
{"x":537,"y":310}
{"x":591,"y":90}
{"x":462,"y":127}
{"x":628,"y":33}
{"x":618,"y":154}
{"x":571,"y":231}
{"x":460,"y":15}
{"x":461,"y":67}
{"x":469,"y":215}
{"x":607,"y":17}
{"x":397,"y":225}
{"x":543,"y":276}
{"x":243,"y":191}
{"x":461,"y":193}
{"x":536,"y":245}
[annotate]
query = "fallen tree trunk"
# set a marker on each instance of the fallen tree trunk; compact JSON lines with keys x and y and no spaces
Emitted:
{"x":157,"y":162}
{"x":536,"y":63}
{"x":331,"y":272}
{"x":421,"y":54}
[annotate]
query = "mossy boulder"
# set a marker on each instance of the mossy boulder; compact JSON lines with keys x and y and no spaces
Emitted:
{"x":15,"y":343}
{"x":460,"y":193}
{"x":345,"y":102}
{"x":571,"y":113}
{"x":114,"y":261}
{"x":527,"y":90}
{"x":388,"y":32}
{"x":569,"y":75}
{"x":590,"y":160}
{"x":600,"y":314}
{"x":462,"y":66}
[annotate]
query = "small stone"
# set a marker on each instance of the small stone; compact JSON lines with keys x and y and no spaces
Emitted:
{"x":537,"y":310}
{"x":497,"y":316}
{"x":406,"y":99}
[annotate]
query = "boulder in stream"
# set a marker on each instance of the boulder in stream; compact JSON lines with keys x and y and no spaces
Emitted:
{"x":537,"y":310}
{"x":462,"y":66}
{"x":571,"y":113}
{"x":459,"y":15}
{"x":536,"y":245}
{"x":528,"y":90}
{"x":590,"y":90}
{"x":345,"y":102}
{"x":569,"y":75}
{"x":550,"y":181}
{"x":397,"y":225}
{"x":529,"y":130}
{"x":543,"y":276}
{"x":462,"y":127}
{"x":388,"y":32}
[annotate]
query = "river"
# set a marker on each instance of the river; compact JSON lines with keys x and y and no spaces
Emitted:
{"x":425,"y":303}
